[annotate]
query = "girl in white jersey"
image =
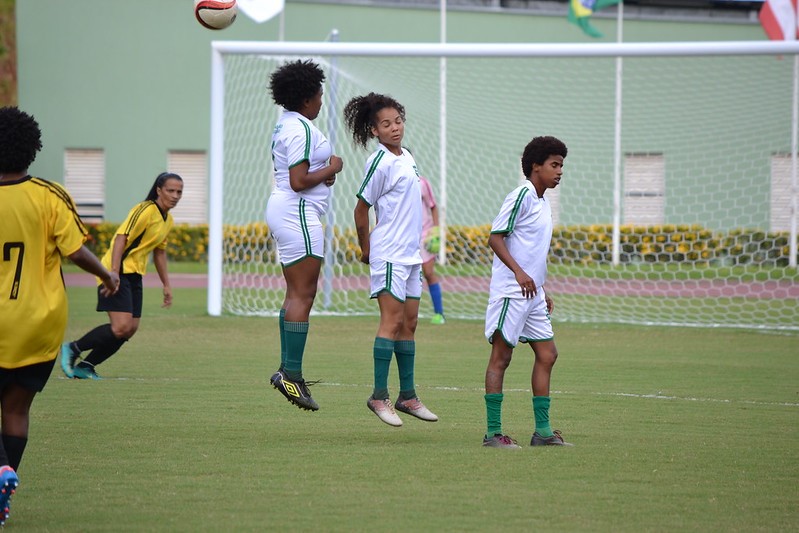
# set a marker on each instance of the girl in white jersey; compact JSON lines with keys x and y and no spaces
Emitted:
{"x":518,"y":308}
{"x":305,"y":169}
{"x":392,"y":249}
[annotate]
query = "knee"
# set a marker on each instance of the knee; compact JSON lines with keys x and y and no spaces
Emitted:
{"x":124,"y":331}
{"x":548,"y":357}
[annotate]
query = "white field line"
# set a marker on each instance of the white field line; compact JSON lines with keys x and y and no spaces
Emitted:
{"x":657,"y":396}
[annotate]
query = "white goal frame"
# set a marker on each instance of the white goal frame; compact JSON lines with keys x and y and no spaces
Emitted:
{"x":221,"y":49}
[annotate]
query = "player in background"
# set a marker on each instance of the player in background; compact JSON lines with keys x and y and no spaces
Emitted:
{"x":305,"y":169}
{"x":40,"y":225}
{"x":392,"y":249}
{"x":431,"y":243}
{"x":145,"y":230}
{"x":518,"y":308}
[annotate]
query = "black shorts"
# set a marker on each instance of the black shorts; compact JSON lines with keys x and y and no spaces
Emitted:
{"x":128,"y":298}
{"x":31,"y":377}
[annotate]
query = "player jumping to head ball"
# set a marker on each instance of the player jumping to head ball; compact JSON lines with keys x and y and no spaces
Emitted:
{"x":518,"y":308}
{"x":305,"y":169}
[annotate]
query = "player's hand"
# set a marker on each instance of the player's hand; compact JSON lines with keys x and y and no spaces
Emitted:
{"x":365,"y":257}
{"x":336,"y":163}
{"x":167,"y":297}
{"x":550,"y":304}
{"x":111,"y":285}
{"x":527,"y":284}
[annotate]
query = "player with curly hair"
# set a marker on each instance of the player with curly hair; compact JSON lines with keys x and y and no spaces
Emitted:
{"x":518,"y":308}
{"x":40,"y":225}
{"x":305,"y":169}
{"x":392,"y":249}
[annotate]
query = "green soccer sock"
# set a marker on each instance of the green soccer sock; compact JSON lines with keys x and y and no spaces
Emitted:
{"x":383,"y":352}
{"x":541,"y":413}
{"x":494,"y":414}
{"x":296,"y":334}
{"x":406,"y":354}
{"x":281,"y":324}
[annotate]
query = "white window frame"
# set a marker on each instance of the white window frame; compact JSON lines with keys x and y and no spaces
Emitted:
{"x":192,"y":166}
{"x":644,"y":189}
{"x":780,"y":205}
{"x":84,"y":178}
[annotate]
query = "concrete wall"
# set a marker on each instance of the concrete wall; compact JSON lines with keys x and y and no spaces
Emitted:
{"x":133,"y":78}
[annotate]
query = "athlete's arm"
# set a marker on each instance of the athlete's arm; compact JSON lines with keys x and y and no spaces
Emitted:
{"x":160,"y":262}
{"x":300,"y":179}
{"x":120,"y":241}
{"x":361,"y":216}
{"x":497,"y":243}
{"x":89,"y":262}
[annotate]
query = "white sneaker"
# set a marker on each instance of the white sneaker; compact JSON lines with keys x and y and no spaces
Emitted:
{"x":416,"y":408}
{"x":384,"y":411}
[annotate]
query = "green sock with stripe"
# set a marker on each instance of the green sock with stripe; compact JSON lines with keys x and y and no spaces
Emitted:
{"x":541,"y":413}
{"x":405,"y":351}
{"x":281,"y":322}
{"x":383,"y":353}
{"x":296,"y":335}
{"x":494,"y":414}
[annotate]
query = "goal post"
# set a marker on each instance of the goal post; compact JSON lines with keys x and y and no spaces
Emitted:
{"x":702,"y":230}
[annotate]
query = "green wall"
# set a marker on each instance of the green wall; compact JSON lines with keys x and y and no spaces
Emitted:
{"x":133,"y":78}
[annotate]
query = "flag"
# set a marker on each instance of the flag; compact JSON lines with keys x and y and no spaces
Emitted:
{"x":779,"y":19}
{"x":260,"y":10}
{"x":580,"y":12}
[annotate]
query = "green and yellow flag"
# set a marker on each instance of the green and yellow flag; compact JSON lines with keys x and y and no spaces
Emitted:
{"x":580,"y":12}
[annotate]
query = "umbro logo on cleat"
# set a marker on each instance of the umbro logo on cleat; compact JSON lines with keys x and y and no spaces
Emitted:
{"x":291,"y":389}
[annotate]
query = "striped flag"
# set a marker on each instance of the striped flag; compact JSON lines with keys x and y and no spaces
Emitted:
{"x":779,"y":19}
{"x":580,"y":12}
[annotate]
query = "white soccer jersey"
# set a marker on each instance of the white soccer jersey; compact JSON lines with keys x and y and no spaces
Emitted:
{"x":526,"y":221}
{"x":391,"y":185}
{"x":294,"y":140}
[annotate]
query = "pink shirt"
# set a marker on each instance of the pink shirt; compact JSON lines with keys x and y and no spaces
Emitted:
{"x":428,"y":203}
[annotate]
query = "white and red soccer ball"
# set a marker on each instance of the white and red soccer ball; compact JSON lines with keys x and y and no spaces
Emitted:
{"x":215,"y":14}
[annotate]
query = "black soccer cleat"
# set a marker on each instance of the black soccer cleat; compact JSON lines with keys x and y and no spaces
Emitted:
{"x":295,"y":391}
{"x":555,"y":440}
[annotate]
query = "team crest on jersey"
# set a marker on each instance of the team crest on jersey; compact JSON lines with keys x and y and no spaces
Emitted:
{"x":277,"y":129}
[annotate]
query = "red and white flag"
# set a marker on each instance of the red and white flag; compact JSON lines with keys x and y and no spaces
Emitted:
{"x":779,"y":19}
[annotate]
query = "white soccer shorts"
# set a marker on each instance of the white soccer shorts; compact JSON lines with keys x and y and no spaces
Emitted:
{"x":296,"y":228}
{"x":519,"y":319}
{"x":402,"y":281}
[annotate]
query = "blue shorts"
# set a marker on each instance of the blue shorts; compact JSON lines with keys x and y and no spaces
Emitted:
{"x":128,"y":298}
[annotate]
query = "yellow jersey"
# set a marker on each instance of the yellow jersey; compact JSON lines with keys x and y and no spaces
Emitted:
{"x":146,"y":228}
{"x":40,"y":224}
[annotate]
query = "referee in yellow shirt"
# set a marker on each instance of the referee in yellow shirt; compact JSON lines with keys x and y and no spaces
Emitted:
{"x":40,"y":225}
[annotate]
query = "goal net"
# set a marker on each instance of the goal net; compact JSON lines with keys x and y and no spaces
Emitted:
{"x":678,"y":199}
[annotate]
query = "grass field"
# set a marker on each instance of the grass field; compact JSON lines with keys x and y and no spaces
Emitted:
{"x":674,"y":429}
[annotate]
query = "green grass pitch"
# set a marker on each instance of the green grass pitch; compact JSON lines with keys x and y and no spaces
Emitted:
{"x":675,"y":429}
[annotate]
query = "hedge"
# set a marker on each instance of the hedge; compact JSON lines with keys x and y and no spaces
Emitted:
{"x":467,"y":245}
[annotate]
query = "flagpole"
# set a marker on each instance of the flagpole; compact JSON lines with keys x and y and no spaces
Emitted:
{"x":794,"y":163}
{"x":615,"y":246}
{"x":442,"y":165}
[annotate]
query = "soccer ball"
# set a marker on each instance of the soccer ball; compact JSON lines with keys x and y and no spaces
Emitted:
{"x":215,"y":14}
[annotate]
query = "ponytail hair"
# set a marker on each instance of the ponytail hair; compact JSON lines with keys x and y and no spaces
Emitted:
{"x":360,"y":115}
{"x":159,"y":183}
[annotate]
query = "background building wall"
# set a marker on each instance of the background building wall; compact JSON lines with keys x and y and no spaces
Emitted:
{"x":133,"y":78}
